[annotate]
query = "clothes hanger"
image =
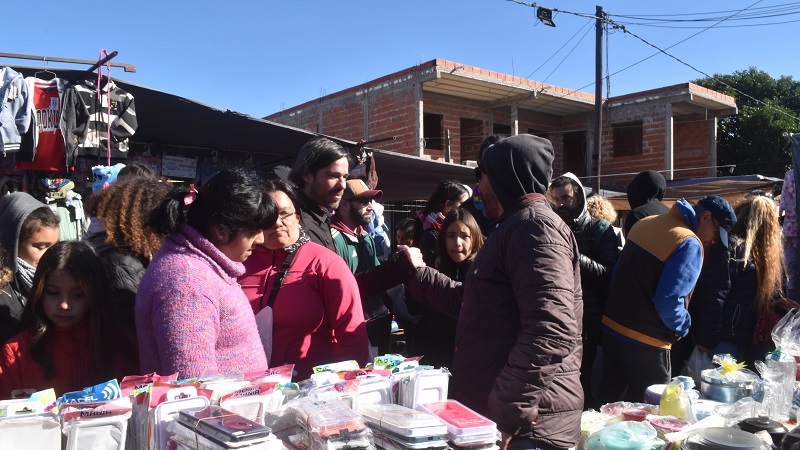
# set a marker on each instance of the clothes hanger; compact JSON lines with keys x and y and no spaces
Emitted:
{"x":45,"y":70}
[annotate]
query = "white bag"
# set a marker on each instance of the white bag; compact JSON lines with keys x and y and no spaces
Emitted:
{"x":264,"y":324}
{"x":696,"y":364}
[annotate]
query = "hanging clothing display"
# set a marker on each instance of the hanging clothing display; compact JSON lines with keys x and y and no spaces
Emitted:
{"x":15,"y":113}
{"x":49,"y":151}
{"x":68,"y":206}
{"x":86,"y":118}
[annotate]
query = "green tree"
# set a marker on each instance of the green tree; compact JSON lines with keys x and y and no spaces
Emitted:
{"x":753,"y":139}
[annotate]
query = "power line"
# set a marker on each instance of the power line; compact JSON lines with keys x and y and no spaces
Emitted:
{"x":753,"y":11}
{"x":761,"y":102}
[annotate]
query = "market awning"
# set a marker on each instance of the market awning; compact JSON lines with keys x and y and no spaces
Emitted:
{"x":732,"y":189}
{"x":170,"y":120}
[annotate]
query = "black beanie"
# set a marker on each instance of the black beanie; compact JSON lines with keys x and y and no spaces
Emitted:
{"x":518,"y":165}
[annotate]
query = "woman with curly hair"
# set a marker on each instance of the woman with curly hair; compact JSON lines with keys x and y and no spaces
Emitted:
{"x":600,"y":208}
{"x":124,"y":243}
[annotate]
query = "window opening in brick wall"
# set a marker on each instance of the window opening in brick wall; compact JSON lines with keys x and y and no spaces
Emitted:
{"x":432,"y":126}
{"x":575,"y":153}
{"x":628,"y":138}
{"x":500,"y":128}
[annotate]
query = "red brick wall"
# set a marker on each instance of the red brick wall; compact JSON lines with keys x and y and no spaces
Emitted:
{"x":653,"y":143}
{"x":691,"y":138}
{"x":389,"y":110}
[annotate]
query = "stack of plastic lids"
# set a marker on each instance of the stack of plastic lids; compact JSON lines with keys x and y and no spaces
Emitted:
{"x":466,"y":429}
{"x":329,"y":424}
{"x":215,"y":428}
{"x":396,"y":427}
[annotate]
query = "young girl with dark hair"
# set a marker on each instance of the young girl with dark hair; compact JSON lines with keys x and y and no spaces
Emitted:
{"x":191,"y":316}
{"x":68,"y":341}
{"x":449,"y":194}
{"x":456,"y":247}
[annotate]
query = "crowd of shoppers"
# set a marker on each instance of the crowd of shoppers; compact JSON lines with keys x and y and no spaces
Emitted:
{"x":516,"y":292}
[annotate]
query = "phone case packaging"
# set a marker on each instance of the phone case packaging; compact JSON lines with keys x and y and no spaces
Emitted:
{"x":404,"y":422}
{"x":36,"y":429}
{"x":463,"y":424}
{"x":96,"y":425}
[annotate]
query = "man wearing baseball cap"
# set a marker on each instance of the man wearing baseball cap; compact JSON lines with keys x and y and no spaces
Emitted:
{"x":649,"y":294}
{"x":353,"y":243}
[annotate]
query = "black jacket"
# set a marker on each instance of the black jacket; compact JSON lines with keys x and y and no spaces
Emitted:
{"x":728,"y":311}
{"x":124,"y":271}
{"x":598,"y":255}
{"x":12,"y":304}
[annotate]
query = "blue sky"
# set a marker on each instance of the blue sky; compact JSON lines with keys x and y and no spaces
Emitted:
{"x":257,"y":57}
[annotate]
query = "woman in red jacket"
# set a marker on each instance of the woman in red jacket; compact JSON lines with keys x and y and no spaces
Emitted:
{"x":317,"y":315}
{"x":68,"y":341}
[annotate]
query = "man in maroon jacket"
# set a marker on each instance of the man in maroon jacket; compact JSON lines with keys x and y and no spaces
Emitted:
{"x":518,"y":341}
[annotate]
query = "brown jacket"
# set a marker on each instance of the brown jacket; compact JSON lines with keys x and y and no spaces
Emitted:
{"x":518,"y":343}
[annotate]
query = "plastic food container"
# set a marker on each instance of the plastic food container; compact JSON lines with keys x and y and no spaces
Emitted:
{"x":653,"y":394}
{"x":635,"y":414}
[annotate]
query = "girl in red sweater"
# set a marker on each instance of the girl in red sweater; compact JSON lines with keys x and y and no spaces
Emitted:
{"x":68,"y":341}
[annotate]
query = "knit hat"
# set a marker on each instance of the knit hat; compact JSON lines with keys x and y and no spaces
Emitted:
{"x":518,"y":165}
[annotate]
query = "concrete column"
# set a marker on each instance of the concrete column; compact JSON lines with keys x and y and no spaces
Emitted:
{"x":419,"y":131}
{"x":669,"y":157}
{"x":514,"y":119}
{"x":320,"y":127}
{"x":490,"y":118}
{"x":365,"y":110}
{"x":712,"y":146}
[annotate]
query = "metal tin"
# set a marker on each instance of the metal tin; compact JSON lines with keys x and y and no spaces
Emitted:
{"x":723,"y":390}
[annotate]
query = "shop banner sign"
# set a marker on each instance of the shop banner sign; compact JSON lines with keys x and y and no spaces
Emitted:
{"x":177,"y":166}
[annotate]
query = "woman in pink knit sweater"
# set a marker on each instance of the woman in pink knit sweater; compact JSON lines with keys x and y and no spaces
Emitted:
{"x":191,"y":315}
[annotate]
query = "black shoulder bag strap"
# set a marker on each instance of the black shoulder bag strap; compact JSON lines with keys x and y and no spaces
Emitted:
{"x":276,"y":286}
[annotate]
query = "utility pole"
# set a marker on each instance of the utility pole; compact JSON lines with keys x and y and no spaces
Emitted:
{"x":598,"y":97}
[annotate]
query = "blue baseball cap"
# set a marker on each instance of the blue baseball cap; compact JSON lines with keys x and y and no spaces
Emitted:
{"x":721,"y":211}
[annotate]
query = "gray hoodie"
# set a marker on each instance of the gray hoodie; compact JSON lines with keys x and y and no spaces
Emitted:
{"x":14,"y":209}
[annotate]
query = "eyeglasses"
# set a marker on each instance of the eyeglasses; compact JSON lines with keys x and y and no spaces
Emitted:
{"x":285,"y":216}
{"x":478,"y":173}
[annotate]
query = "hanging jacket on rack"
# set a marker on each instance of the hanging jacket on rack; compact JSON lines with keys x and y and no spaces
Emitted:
{"x":48,"y":141}
{"x":85,"y":120}
{"x":15,"y":112}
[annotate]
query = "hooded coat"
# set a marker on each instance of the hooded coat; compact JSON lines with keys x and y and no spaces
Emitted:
{"x":14,"y":209}
{"x":645,"y":193}
{"x":597,"y":244}
{"x":518,"y":340}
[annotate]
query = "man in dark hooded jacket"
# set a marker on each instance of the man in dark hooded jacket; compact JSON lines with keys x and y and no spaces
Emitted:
{"x":518,"y":340}
{"x":644,"y":195}
{"x":597,"y":243}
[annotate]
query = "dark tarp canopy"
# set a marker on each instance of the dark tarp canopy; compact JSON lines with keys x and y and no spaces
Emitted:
{"x":169,"y":120}
{"x":732,"y":189}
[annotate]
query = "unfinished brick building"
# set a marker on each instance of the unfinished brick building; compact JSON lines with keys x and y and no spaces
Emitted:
{"x":442,"y":110}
